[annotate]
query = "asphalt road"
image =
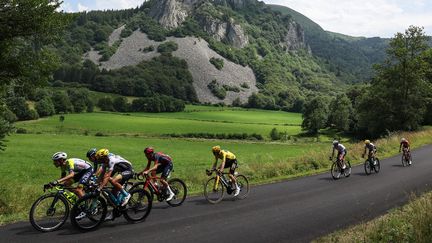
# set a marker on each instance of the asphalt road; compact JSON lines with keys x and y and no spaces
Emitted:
{"x":292,"y":211}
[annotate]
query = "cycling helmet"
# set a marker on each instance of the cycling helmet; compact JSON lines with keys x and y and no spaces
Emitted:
{"x":101,"y":153}
{"x":216,"y":149}
{"x":91,"y":152}
{"x":403,"y":140}
{"x":367,"y":141}
{"x":149,"y":150}
{"x":335,"y":142}
{"x":59,"y":155}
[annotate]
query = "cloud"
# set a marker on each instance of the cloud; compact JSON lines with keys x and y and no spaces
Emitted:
{"x":117,"y":4}
{"x":364,"y":17}
{"x":82,"y":8}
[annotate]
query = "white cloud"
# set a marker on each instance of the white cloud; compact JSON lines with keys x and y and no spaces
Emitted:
{"x":82,"y":8}
{"x":363,"y":17}
{"x":66,"y":7}
{"x":117,"y":4}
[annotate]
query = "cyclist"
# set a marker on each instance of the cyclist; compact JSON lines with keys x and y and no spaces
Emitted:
{"x":228,"y":161}
{"x":162,"y":164}
{"x":372,"y":150}
{"x":73,"y":170}
{"x":341,"y":153}
{"x":406,"y":148}
{"x":91,"y":155}
{"x":117,"y":171}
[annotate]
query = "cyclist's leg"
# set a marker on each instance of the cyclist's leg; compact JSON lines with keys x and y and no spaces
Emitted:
{"x":83,"y":180}
{"x":165,"y":170}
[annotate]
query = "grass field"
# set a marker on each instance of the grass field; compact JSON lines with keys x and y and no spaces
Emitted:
{"x":147,"y":124}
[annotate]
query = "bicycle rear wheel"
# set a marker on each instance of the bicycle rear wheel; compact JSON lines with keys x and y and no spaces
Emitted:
{"x":212,"y":193}
{"x":243,"y":183}
{"x":335,"y":171}
{"x":88,"y":212}
{"x":347,"y":171}
{"x":139,"y":205}
{"x":377,"y":166}
{"x":367,"y":167}
{"x":180,"y":191}
{"x":49,"y":212}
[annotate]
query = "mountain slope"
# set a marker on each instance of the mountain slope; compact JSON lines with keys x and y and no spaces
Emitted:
{"x":351,"y":57}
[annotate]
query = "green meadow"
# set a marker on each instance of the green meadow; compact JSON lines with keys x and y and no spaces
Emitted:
{"x":26,"y":163}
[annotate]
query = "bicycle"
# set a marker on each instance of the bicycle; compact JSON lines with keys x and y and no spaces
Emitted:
{"x":214,"y":188}
{"x":50,"y":211}
{"x":336,"y":171}
{"x":406,"y":158}
{"x":372,"y":164}
{"x":177,"y":186}
{"x":94,"y":207}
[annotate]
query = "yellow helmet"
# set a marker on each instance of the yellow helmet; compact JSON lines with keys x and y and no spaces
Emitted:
{"x":216,"y":149}
{"x":101,"y":153}
{"x":367,"y":141}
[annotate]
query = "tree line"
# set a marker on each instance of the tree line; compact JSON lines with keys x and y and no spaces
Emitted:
{"x":398,"y":98}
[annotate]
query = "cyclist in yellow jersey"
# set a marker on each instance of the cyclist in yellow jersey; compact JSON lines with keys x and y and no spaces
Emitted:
{"x":229,"y":160}
{"x":73,"y":170}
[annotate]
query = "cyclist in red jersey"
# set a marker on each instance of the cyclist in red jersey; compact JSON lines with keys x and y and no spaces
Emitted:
{"x":405,"y":145}
{"x":162,"y":164}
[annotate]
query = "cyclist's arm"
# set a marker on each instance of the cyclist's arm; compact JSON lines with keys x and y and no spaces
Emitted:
{"x":215,"y":163}
{"x":99,"y":171}
{"x":333,"y":152}
{"x":400,"y":146}
{"x":223,"y":162}
{"x":146,"y":168}
{"x":65,"y":178}
{"x":156,"y":164}
{"x":105,"y":179}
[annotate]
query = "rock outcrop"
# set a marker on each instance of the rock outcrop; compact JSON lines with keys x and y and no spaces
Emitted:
{"x":295,"y":38}
{"x":172,"y":13}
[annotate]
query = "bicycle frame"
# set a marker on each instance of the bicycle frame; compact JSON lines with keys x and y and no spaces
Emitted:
{"x":221,"y":178}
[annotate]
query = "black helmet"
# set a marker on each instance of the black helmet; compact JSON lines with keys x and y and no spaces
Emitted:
{"x":91,"y":152}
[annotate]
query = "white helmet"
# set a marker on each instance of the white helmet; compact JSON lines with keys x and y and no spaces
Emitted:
{"x":335,"y":142}
{"x":403,"y":140}
{"x":59,"y":155}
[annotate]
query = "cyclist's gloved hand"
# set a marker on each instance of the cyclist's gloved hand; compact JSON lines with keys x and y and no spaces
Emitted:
{"x":53,"y":183}
{"x":47,"y":186}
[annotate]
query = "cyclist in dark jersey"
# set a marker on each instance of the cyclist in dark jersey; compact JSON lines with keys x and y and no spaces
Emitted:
{"x":162,"y":164}
{"x":371,"y":148}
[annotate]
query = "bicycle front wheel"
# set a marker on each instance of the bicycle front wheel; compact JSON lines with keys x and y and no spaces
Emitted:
{"x":367,"y":167}
{"x":49,"y":212}
{"x":88,"y":212}
{"x":335,"y":171}
{"x":212,"y":192}
{"x":180,"y":191}
{"x":139,"y":205}
{"x":404,"y":160}
{"x":243,"y":183}
{"x":347,"y":171}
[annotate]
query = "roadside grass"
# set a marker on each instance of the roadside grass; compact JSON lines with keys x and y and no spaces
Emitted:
{"x":410,"y":223}
{"x":26,"y":165}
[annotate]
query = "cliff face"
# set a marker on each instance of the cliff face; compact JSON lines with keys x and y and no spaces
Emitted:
{"x":172,"y":13}
{"x":295,"y":38}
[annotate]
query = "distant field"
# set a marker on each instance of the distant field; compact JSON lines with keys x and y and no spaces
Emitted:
{"x":156,"y":124}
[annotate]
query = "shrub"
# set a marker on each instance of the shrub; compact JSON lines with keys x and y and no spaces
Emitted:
{"x":167,"y":47}
{"x":217,"y":62}
{"x":216,"y":90}
{"x":45,"y":107}
{"x":274,"y":134}
{"x":106,"y":104}
{"x":148,"y":49}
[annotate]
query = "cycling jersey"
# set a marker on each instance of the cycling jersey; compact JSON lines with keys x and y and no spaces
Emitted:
{"x":340,"y":148}
{"x":405,"y":144}
{"x":76,"y":166}
{"x":161,"y":158}
{"x":370,"y":146}
{"x":225,"y":155}
{"x":117,"y":163}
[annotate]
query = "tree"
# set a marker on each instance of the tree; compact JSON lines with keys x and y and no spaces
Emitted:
{"x":26,"y":25}
{"x":120,"y":104}
{"x":400,"y":93}
{"x":315,"y":114}
{"x":45,"y":107}
{"x":340,"y":113}
{"x":62,"y":103}
{"x":106,"y":104}
{"x":20,"y":108}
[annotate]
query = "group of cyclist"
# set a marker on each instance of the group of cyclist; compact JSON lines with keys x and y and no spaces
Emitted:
{"x":109,"y":167}
{"x":112,"y":168}
{"x":369,"y":147}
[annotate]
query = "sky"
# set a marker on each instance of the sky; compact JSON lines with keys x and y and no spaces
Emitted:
{"x":368,"y":18}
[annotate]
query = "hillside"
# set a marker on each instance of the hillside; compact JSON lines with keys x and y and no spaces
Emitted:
{"x":351,"y":57}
